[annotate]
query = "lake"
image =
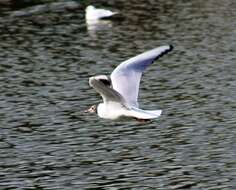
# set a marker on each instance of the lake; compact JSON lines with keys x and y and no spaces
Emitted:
{"x":47,"y":141}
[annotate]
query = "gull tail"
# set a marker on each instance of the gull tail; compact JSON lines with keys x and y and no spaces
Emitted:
{"x":144,"y":114}
{"x":109,"y":15}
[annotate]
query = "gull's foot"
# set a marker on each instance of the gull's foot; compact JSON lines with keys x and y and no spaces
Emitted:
{"x":142,"y":120}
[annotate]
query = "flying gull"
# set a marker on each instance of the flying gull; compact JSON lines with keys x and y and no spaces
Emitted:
{"x":120,"y":90}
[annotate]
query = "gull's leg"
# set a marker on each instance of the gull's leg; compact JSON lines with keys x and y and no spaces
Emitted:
{"x":142,"y":120}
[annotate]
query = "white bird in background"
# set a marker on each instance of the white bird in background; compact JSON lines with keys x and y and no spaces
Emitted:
{"x":93,"y":14}
{"x":120,"y":91}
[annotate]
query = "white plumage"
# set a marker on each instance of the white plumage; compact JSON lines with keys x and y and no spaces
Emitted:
{"x":120,"y":90}
{"x":93,"y":14}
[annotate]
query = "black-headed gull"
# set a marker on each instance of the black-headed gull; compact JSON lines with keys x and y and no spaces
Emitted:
{"x":93,"y":14}
{"x":120,"y":90}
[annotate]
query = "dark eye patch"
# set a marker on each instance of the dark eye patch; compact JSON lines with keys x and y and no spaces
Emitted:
{"x":105,"y":82}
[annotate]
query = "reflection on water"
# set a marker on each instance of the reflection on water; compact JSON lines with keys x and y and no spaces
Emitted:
{"x":47,"y":142}
{"x":93,"y":26}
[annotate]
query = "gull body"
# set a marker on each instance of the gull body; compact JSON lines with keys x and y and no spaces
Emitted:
{"x":119,"y":91}
{"x":111,"y":110}
{"x":94,"y":14}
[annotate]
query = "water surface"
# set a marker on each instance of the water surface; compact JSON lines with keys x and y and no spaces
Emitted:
{"x":47,"y":142}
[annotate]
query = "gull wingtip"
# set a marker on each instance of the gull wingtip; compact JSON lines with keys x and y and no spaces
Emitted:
{"x":91,"y":79}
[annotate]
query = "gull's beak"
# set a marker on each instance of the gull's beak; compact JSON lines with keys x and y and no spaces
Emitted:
{"x":92,"y":109}
{"x":86,"y":111}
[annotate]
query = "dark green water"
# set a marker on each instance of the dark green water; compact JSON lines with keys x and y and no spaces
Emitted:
{"x":47,"y":142}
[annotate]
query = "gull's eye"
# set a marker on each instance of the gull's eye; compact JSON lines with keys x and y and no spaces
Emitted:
{"x":105,"y":82}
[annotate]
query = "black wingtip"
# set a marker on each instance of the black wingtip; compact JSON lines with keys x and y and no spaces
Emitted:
{"x":171,"y":47}
{"x":165,"y":52}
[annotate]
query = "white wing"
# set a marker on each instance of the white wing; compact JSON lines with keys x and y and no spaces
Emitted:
{"x":126,"y":77}
{"x":102,"y":13}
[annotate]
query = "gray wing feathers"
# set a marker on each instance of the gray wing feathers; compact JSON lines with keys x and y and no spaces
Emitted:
{"x":126,"y":77}
{"x":107,"y":93}
{"x":140,"y":62}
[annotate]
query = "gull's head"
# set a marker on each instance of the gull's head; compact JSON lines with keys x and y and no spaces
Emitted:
{"x":89,"y":8}
{"x":92,"y":109}
{"x":106,"y":80}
